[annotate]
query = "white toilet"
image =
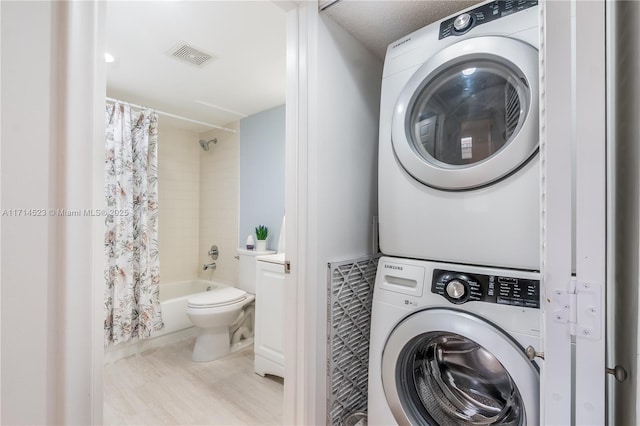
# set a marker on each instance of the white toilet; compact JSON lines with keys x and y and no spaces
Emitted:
{"x":225,"y":314}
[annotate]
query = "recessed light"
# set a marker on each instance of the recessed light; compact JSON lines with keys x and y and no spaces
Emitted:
{"x":108,"y":58}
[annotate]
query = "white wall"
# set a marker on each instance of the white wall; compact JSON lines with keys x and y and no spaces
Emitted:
{"x":219,"y":204}
{"x":349,"y":79}
{"x":49,"y":117}
{"x":342,"y":167}
{"x":29,"y":308}
{"x":179,"y":203}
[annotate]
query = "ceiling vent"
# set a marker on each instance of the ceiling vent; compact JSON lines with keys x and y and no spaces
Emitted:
{"x":190,"y":54}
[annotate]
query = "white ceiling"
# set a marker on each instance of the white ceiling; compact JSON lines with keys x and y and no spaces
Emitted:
{"x":246,"y":76}
{"x":248,"y":42}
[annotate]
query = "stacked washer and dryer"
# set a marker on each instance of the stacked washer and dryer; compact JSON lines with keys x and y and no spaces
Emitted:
{"x":455,"y":319}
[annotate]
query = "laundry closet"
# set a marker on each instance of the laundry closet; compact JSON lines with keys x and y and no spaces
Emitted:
{"x":569,"y":186}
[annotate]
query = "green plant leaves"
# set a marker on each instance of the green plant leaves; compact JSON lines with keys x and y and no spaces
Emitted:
{"x":262,"y":232}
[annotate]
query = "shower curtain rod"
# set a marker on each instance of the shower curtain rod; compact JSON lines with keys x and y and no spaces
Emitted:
{"x":175,"y":116}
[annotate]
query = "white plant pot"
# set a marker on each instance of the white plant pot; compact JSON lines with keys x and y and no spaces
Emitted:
{"x":261,"y":245}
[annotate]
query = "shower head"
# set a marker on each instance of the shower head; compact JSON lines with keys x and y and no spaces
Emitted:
{"x":205,"y":144}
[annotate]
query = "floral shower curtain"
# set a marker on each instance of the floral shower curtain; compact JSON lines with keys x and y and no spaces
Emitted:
{"x":131,"y":300}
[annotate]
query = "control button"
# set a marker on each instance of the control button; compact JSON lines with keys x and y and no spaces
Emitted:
{"x":455,"y":289}
{"x":462,"y":22}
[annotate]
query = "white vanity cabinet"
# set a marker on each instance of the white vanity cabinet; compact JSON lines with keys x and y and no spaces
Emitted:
{"x":269,"y":320}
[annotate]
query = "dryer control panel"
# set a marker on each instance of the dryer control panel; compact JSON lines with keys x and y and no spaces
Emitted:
{"x":463,"y":22}
{"x":462,"y":287}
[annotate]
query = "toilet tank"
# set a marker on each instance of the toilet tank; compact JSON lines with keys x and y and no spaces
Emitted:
{"x":247,"y":269}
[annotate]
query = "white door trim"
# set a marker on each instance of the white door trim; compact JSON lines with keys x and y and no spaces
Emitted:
{"x":556,"y":200}
{"x":100,"y":93}
{"x":301,"y":381}
{"x":81,"y":120}
{"x":573,"y":146}
{"x":591,"y":203}
{"x":295,"y":211}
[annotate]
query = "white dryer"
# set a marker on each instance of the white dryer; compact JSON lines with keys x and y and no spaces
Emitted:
{"x":458,"y":164}
{"x":449,"y":345}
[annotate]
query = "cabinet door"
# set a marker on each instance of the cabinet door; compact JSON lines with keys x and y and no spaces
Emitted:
{"x":269,"y":327}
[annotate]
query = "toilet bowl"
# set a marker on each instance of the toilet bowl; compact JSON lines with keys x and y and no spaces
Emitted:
{"x":217,"y":313}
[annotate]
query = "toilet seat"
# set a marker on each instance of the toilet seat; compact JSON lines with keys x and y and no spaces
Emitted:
{"x":221,"y":296}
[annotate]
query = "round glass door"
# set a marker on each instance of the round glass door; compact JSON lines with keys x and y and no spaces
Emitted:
{"x":466,"y":120}
{"x":434,"y":374}
{"x":468,"y":113}
{"x":450,"y":379}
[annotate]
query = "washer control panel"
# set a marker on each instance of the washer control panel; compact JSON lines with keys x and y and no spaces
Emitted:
{"x":462,"y":287}
{"x":463,"y":22}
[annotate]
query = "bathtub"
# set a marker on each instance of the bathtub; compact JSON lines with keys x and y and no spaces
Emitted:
{"x":177,"y":326}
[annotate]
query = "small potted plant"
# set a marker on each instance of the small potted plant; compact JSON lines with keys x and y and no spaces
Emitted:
{"x":262,"y":232}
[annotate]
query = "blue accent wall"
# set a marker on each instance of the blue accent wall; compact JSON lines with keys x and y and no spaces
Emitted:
{"x":262,"y":166}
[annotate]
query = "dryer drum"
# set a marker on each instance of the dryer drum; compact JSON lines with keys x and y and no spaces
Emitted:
{"x":459,"y":382}
{"x":463,"y":117}
{"x":468,"y":117}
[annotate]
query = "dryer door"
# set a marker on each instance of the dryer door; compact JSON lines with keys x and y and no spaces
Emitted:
{"x":469,"y":116}
{"x":445,"y":367}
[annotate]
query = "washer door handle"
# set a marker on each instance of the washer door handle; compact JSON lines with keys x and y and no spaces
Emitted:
{"x":532,"y":354}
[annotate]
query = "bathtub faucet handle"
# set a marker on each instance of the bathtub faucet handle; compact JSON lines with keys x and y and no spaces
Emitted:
{"x":213,"y":252}
{"x":211,"y":265}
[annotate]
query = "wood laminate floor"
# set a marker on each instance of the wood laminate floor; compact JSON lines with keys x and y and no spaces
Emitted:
{"x":163,"y":387}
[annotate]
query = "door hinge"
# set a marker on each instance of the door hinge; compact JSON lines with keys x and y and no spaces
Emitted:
{"x":580,"y":307}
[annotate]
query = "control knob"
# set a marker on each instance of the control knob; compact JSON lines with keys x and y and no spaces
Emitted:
{"x":456,"y":289}
{"x":462,"y":22}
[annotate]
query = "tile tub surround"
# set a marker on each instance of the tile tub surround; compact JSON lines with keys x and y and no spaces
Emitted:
{"x":179,"y":203}
{"x":219,"y":204}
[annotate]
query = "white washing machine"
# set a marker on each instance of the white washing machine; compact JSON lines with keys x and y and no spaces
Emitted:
{"x":449,"y":345}
{"x":458,"y":156}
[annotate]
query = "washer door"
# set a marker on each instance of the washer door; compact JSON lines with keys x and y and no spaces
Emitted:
{"x":469,"y":116}
{"x":449,"y":367}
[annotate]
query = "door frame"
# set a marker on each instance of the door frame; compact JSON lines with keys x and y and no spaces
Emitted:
{"x":299,"y":399}
{"x":300,"y":395}
{"x":573,"y":195}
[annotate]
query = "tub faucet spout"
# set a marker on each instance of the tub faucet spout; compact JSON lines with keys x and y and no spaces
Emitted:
{"x":211,"y":265}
